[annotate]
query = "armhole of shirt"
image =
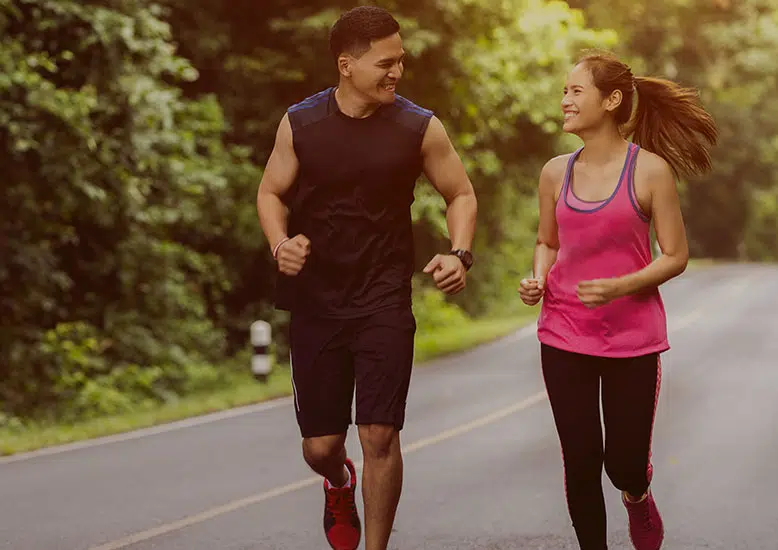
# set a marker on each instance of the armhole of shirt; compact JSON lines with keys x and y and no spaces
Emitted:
{"x":403,"y":106}
{"x":631,"y":186}
{"x":568,"y":176}
{"x":293,"y":128}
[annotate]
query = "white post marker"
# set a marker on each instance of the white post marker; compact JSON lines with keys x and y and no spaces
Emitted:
{"x":260,"y":341}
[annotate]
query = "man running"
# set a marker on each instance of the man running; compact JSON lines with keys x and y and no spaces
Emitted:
{"x":334,"y":204}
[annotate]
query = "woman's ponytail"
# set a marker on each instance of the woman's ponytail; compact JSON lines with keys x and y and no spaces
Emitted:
{"x":670,"y":121}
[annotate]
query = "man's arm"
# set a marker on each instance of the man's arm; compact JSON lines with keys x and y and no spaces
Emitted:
{"x":277,"y":179}
{"x":447,"y":174}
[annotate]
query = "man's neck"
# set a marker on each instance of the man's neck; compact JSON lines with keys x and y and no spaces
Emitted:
{"x":353,"y":104}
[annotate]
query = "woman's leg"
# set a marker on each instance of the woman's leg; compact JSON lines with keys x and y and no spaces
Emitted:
{"x":630,"y":390}
{"x":573,"y":386}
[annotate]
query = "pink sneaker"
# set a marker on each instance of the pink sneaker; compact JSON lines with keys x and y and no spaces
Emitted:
{"x":645,"y":524}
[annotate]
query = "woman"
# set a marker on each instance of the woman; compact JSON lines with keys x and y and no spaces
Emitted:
{"x":602,"y":322}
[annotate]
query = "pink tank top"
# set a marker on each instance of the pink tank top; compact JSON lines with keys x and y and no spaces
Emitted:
{"x":599,"y":240}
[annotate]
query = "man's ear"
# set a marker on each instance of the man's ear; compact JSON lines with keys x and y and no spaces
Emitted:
{"x":345,"y":64}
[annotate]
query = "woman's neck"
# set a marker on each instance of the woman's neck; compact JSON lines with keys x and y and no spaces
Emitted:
{"x":603,"y":146}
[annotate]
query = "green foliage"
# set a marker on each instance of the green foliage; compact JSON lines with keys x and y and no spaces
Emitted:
{"x":115,"y":188}
{"x":761,"y":233}
{"x":726,"y":49}
{"x":432,"y":312}
{"x":133,"y":132}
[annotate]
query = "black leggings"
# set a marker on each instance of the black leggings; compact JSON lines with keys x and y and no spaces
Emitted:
{"x":630,"y":388}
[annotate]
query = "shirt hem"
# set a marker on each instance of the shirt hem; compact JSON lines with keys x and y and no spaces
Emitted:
{"x":351,"y":313}
{"x":615,"y":354}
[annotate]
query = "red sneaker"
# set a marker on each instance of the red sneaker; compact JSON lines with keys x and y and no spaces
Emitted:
{"x":645,"y":524}
{"x":341,"y":519}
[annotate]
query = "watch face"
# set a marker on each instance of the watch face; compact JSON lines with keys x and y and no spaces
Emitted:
{"x":465,"y":256}
{"x":468,"y":258}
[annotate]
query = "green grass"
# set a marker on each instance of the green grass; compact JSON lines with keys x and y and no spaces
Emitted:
{"x":447,"y":341}
{"x":243,"y":391}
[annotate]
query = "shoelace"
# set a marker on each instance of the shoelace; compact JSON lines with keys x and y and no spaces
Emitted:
{"x":341,"y":505}
{"x":645,"y":519}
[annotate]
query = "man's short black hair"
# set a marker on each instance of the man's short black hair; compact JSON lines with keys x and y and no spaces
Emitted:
{"x":357,"y":28}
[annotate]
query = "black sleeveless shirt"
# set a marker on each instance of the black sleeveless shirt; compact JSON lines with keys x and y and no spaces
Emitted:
{"x":352,"y":198}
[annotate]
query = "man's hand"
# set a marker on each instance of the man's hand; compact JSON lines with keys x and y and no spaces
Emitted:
{"x":598,"y":292}
{"x":292,"y":254}
{"x":448,"y":272}
{"x":532,"y":290}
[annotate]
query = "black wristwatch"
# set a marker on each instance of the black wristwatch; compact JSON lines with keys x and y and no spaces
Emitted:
{"x":464,"y":256}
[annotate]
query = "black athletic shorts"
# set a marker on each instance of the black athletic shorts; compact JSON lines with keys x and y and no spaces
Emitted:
{"x":330,"y":357}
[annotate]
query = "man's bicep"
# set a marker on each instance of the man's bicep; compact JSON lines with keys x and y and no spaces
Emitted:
{"x":282,"y":165}
{"x":442,"y":164}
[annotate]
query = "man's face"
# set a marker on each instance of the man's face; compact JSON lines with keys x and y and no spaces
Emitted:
{"x":377,"y":72}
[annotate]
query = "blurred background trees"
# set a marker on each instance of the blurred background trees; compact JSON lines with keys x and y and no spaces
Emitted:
{"x":134,"y":133}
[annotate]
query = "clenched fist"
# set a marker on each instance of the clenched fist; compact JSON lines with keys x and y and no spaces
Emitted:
{"x":291,"y":254}
{"x":532,"y":290}
{"x":599,"y":292}
{"x":448,"y":272}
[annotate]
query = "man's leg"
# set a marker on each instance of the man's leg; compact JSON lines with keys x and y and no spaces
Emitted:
{"x":383,"y":360}
{"x":382,"y":480}
{"x":323,"y":384}
{"x":326,"y":455}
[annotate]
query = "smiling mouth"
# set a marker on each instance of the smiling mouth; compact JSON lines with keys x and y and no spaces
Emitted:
{"x":570,"y":115}
{"x":390,"y":87}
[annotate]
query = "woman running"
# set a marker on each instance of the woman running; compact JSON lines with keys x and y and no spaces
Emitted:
{"x":602,"y":322}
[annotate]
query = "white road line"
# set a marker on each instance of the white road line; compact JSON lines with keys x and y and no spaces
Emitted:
{"x":286,"y":489}
{"x":520,"y":334}
{"x":141,"y":536}
{"x":307,"y":482}
{"x":152,"y":430}
{"x":201,"y":420}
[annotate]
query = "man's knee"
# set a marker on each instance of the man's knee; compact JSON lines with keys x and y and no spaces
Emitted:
{"x":378,"y":440}
{"x":318,"y":451}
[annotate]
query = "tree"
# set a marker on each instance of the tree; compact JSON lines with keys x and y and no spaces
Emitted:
{"x":726,"y":49}
{"x":109,"y":176}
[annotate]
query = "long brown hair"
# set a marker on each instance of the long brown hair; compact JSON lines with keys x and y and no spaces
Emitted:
{"x":669,"y":120}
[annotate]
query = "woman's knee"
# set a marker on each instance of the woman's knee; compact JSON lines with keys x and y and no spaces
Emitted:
{"x":633,"y":478}
{"x":584,"y":465}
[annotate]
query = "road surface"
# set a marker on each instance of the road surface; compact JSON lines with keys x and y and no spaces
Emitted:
{"x":483,"y":465}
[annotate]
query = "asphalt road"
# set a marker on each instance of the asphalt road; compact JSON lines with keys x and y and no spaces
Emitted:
{"x":483,"y":465}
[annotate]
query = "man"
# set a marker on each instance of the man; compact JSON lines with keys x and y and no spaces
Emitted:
{"x":334,"y":204}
